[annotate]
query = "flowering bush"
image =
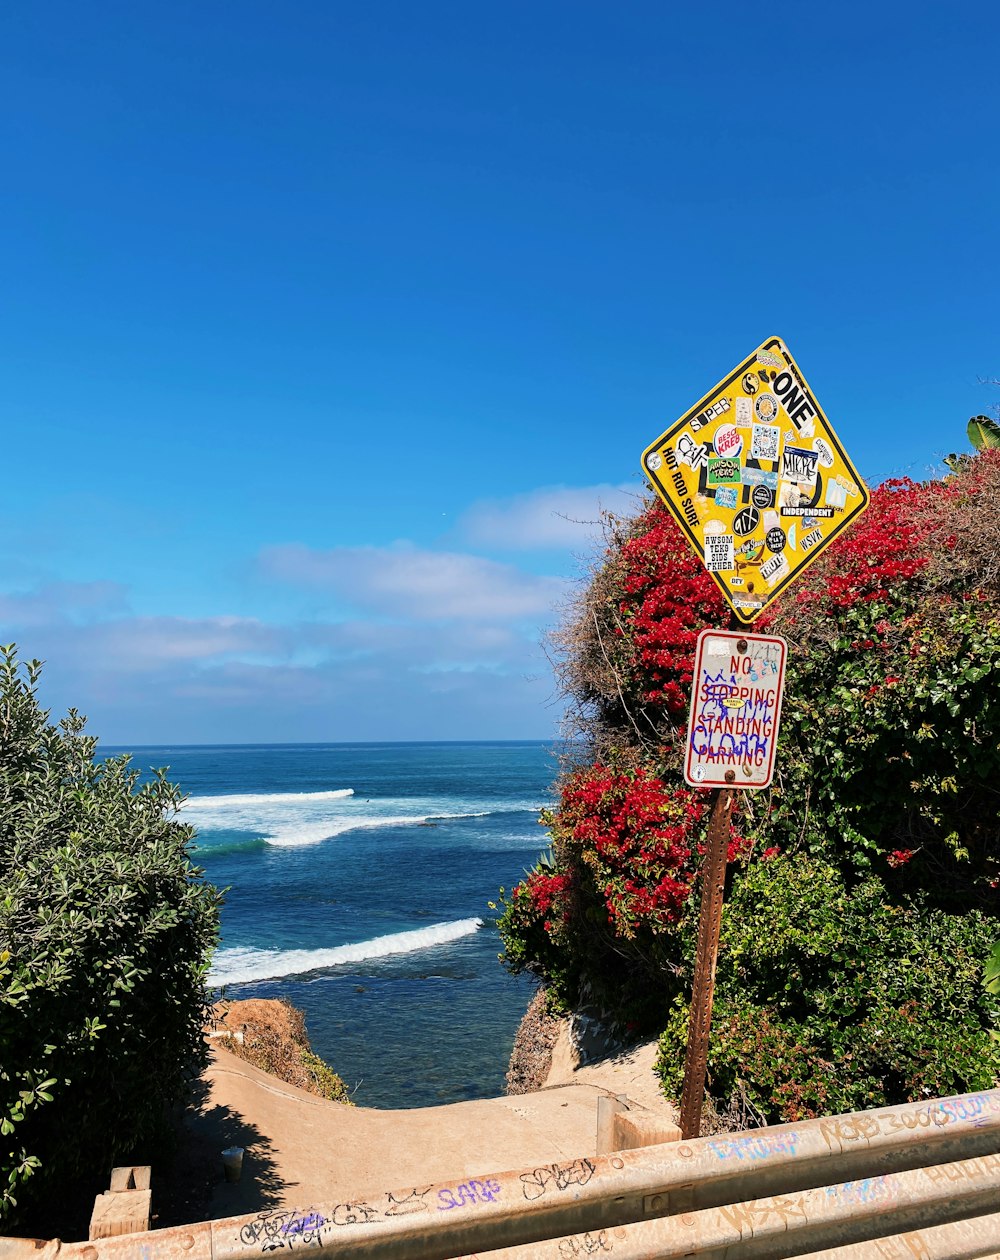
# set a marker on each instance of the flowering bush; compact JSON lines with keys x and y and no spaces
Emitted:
{"x":885,"y":795}
{"x":640,"y":841}
{"x":627,"y":650}
{"x":668,"y":598}
{"x":890,"y":750}
{"x":634,"y":835}
{"x":626,"y":850}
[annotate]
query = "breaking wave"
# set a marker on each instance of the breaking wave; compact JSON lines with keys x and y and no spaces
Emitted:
{"x":240,"y":966}
{"x":241,"y":800}
{"x":296,"y":819}
{"x":315,"y":833}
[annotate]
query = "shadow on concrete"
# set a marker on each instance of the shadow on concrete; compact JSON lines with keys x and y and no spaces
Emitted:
{"x":187,"y":1178}
{"x":189,"y":1185}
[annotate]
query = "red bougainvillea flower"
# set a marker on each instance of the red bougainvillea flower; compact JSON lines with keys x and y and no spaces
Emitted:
{"x":641,"y":840}
{"x":667,"y":598}
{"x":543,"y":889}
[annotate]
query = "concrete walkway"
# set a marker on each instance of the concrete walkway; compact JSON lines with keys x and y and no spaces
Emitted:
{"x":301,"y":1149}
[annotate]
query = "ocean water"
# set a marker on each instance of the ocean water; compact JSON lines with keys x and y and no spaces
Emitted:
{"x":359,"y":877}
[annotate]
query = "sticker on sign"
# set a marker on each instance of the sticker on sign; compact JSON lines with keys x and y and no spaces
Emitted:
{"x":735,"y":709}
{"x":759,"y":429}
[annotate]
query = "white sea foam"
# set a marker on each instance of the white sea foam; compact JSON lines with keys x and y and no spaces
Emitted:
{"x":241,"y":800}
{"x":299,"y":834}
{"x":296,"y":819}
{"x":239,"y":966}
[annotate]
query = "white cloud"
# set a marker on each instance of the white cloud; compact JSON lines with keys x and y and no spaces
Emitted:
{"x":58,"y":601}
{"x":412,"y":684}
{"x":88,"y":625}
{"x":141,"y":643}
{"x":442,"y":645}
{"x":425,"y":647}
{"x":255,"y":703}
{"x":553,"y":516}
{"x":407,"y":581}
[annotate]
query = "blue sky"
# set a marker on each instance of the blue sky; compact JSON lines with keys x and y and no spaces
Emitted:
{"x":328,"y":326}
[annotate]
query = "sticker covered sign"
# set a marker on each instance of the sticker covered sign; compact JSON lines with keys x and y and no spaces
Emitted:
{"x":757,"y":479}
{"x":735,"y":709}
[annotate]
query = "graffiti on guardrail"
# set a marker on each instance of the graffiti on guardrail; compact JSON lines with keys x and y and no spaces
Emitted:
{"x":412,"y":1202}
{"x":759,"y":1213}
{"x":304,"y":1224}
{"x":586,"y":1244}
{"x":757,"y":1147}
{"x":974,"y":1108}
{"x":537,"y":1182}
{"x":969,"y":1170}
{"x":867,"y":1190}
{"x":468,"y":1192}
{"x":283,"y":1228}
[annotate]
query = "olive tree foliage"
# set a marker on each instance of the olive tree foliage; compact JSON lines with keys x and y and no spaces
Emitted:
{"x":106,"y":935}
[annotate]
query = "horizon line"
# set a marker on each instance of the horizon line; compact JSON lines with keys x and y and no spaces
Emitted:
{"x":334,"y":743}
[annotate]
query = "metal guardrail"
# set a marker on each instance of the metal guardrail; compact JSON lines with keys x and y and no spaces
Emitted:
{"x":975,"y":1239}
{"x":841,"y":1216}
{"x":781,"y":1191}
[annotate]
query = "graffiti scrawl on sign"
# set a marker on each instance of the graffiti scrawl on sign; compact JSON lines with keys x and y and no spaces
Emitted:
{"x":735,"y":709}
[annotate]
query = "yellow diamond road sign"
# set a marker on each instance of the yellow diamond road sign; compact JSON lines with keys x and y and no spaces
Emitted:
{"x":757,"y":479}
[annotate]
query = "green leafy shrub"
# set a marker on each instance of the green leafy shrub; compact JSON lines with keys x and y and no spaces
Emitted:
{"x":835,"y":999}
{"x":106,"y":933}
{"x":534,"y":937}
{"x":325,"y":1081}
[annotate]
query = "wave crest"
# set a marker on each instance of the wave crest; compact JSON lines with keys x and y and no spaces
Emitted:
{"x":264,"y":798}
{"x":241,"y":966}
{"x":314,"y":833}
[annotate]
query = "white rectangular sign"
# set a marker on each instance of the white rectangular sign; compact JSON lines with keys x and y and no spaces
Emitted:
{"x":735,"y":709}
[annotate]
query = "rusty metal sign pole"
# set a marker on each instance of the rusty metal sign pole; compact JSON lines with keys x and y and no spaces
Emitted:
{"x":694,"y":467}
{"x":713,"y":888}
{"x":713,"y":884}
